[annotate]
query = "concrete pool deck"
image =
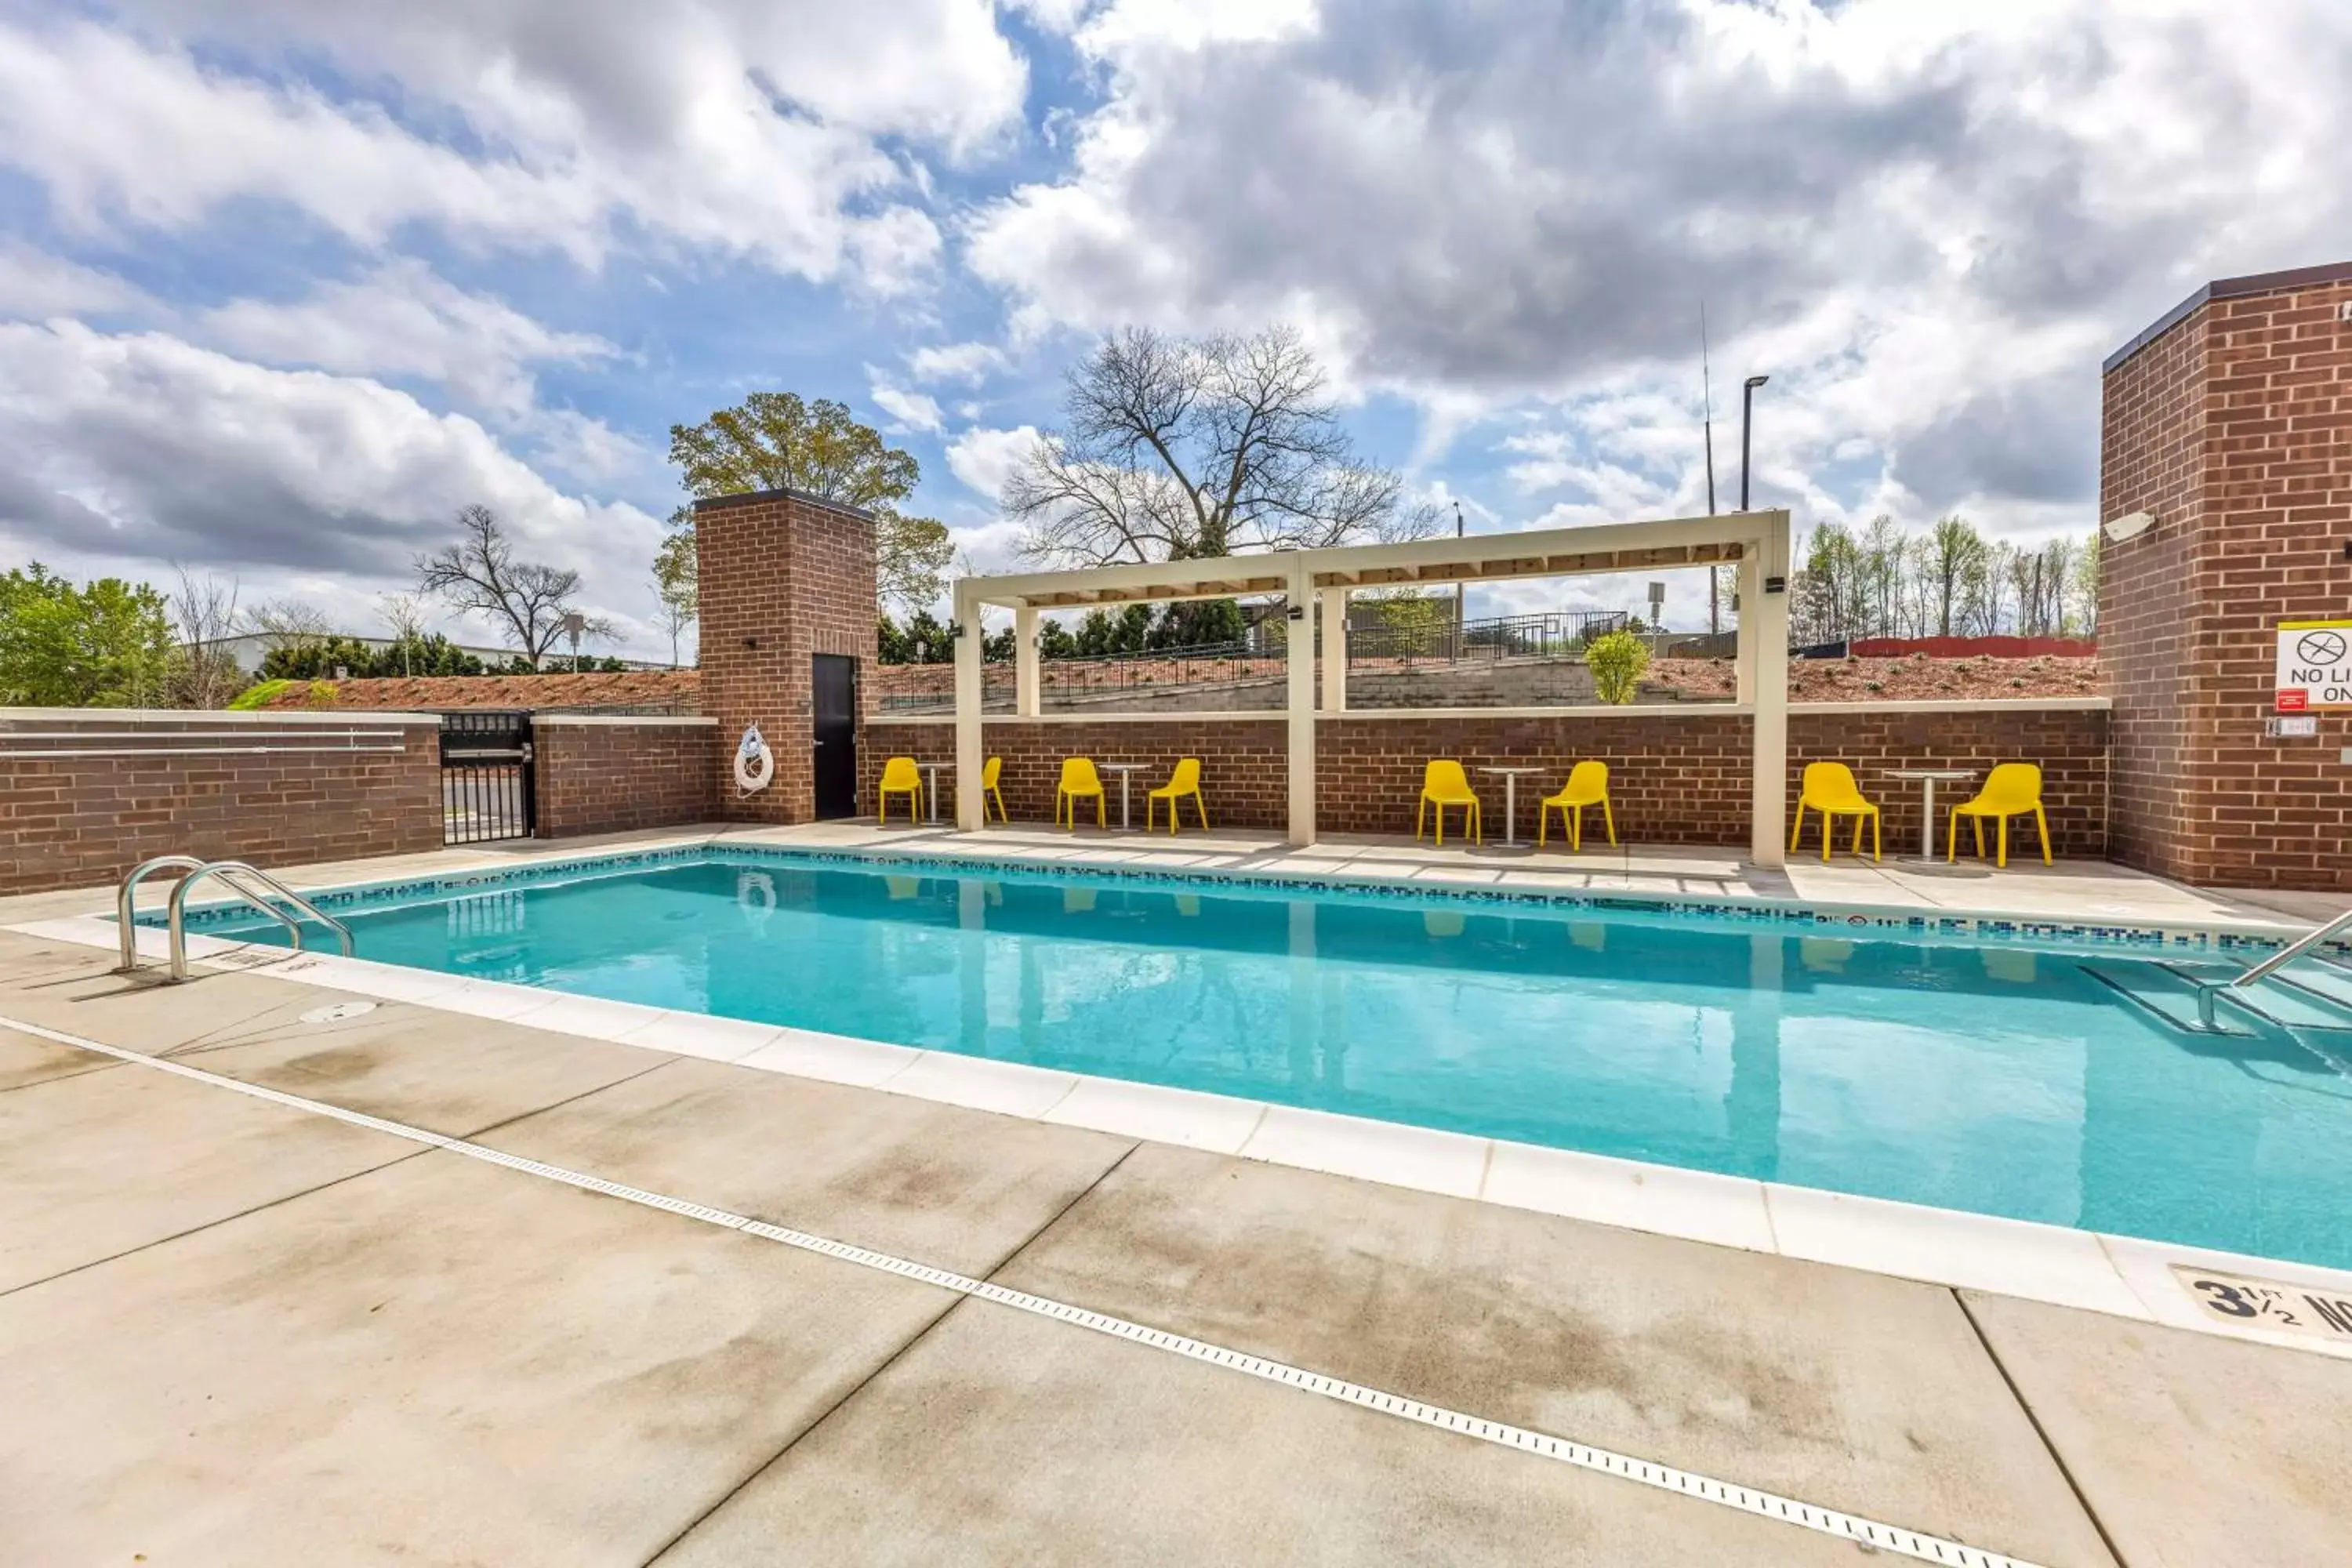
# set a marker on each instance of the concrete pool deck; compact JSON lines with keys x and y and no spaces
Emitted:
{"x":238,"y":1330}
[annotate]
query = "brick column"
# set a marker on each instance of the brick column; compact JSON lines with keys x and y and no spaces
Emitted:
{"x":783,"y":576}
{"x":2230,"y":419}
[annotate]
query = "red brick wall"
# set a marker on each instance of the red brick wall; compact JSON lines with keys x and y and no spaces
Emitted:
{"x":615,"y":775}
{"x":1675,"y":778}
{"x":84,"y":821}
{"x":2235,"y":429}
{"x":783,"y":578}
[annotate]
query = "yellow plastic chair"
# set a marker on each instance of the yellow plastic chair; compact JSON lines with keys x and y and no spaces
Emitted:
{"x":988,"y":773}
{"x":1443,"y":783}
{"x":1588,"y":784}
{"x":1184,"y":782}
{"x":1079,"y":780}
{"x":2012,"y":789}
{"x":899,"y":777}
{"x":1830,"y":789}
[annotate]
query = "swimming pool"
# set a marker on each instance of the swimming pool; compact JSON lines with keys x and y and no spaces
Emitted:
{"x":2006,"y":1081}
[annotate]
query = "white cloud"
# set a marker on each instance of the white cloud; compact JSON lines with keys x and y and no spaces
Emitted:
{"x":35,"y":286}
{"x":141,"y":448}
{"x":754,"y":129}
{"x":403,"y":320}
{"x":911,"y":410}
{"x":984,"y":459}
{"x":956,"y":363}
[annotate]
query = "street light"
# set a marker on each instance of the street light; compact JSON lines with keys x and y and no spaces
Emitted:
{"x":1747,"y":408}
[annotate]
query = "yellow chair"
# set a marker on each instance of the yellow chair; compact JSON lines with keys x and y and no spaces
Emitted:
{"x":1443,"y":783}
{"x":1079,"y":780}
{"x":899,"y":777}
{"x":1830,"y":789}
{"x":988,"y":771}
{"x":1185,"y":781}
{"x":1588,"y":784}
{"x":2012,"y":789}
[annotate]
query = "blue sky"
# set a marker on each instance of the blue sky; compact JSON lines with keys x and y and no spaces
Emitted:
{"x":283,"y":283}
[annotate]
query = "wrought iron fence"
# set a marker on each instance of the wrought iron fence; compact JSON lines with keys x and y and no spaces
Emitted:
{"x":486,"y":777}
{"x":1552,"y":633}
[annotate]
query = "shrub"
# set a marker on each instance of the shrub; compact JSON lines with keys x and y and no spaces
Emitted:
{"x":1617,"y":661}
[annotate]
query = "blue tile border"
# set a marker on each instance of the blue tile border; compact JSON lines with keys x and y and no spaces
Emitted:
{"x":1885,"y":925}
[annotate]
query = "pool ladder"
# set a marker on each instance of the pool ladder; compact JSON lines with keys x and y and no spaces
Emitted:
{"x":239,"y":878}
{"x":2210,"y":993}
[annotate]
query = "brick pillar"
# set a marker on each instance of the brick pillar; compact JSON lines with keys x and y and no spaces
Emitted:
{"x":783,"y":576}
{"x":2230,"y":421}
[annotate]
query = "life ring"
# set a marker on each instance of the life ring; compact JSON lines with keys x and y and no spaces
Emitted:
{"x":756,"y":891}
{"x":755,"y":765}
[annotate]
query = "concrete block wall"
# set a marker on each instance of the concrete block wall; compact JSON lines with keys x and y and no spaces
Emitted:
{"x":782,"y":577}
{"x":2231,"y":420}
{"x":275,"y":789}
{"x":595,"y":773}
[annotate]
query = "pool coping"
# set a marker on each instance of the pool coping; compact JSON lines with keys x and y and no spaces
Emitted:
{"x":1425,"y":885}
{"x":2126,"y":1276}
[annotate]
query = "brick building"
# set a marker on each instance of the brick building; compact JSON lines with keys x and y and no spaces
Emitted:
{"x":2230,"y":421}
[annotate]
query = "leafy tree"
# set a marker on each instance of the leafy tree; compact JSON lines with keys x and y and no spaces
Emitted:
{"x":1175,"y":448}
{"x":774,"y":441}
{"x":891,"y":645}
{"x":676,"y":577}
{"x":105,"y":645}
{"x":1053,"y":639}
{"x":480,"y":575}
{"x":411,"y":655}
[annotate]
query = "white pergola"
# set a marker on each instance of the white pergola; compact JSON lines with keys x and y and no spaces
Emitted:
{"x":1319,"y":581}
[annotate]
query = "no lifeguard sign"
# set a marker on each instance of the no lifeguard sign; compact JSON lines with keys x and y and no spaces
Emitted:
{"x":2315,"y":665}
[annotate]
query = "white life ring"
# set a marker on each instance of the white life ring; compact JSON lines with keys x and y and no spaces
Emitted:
{"x":755,"y":897}
{"x":755,"y":765}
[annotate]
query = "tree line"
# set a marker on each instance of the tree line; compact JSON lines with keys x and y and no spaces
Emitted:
{"x":1947,"y":580}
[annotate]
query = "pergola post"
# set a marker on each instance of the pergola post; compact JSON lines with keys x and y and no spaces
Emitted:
{"x":1299,"y":638}
{"x":1335,"y":650}
{"x":1764,"y":664}
{"x":1028,"y":699}
{"x":968,"y":748}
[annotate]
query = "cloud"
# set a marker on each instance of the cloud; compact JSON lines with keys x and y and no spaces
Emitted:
{"x":140,"y":446}
{"x":984,"y":459}
{"x":35,"y":286}
{"x":1925,"y":222}
{"x":911,"y":410}
{"x":783,"y":134}
{"x":404,"y":320}
{"x":965,"y":364}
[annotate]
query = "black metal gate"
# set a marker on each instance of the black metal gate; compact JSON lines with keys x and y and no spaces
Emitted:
{"x":486,"y":777}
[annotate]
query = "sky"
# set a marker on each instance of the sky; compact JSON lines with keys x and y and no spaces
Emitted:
{"x":285,"y":283}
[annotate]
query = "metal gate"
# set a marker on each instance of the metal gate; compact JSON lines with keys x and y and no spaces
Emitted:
{"x":486,"y":777}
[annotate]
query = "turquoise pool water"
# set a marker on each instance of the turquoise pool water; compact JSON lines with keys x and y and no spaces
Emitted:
{"x":2002,"y":1080}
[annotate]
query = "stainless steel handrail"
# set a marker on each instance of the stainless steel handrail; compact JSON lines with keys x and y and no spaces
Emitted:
{"x":125,"y":915}
{"x":230,"y":872}
{"x":2277,"y":960}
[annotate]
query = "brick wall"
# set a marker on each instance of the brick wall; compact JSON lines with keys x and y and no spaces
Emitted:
{"x":71,"y":822}
{"x":2233,"y":425}
{"x":1680,"y":777}
{"x":783,"y":578}
{"x":596,"y":775}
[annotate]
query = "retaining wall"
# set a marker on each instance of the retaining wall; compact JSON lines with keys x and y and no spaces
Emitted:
{"x":606,"y":773}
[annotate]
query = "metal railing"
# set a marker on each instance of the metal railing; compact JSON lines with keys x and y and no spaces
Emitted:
{"x":233,"y":875}
{"x":2207,"y":995}
{"x":1552,"y":633}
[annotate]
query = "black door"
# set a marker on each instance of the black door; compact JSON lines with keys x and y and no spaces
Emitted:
{"x":836,"y":735}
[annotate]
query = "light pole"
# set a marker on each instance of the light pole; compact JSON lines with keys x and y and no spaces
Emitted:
{"x":1457,"y":590}
{"x":1747,"y":408}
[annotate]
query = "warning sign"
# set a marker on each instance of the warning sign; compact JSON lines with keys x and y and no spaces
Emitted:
{"x":2314,"y":665}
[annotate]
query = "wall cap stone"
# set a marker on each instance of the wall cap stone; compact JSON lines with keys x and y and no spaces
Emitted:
{"x":2228,"y":289}
{"x":543,"y":721}
{"x":210,"y":715}
{"x":715,"y":503}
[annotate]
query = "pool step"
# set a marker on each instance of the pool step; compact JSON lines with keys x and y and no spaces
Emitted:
{"x":2159,"y":989}
{"x":2282,"y":997}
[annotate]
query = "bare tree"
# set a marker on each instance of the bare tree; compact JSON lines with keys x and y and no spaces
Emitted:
{"x":405,"y":614}
{"x":480,"y":574}
{"x":204,"y":617}
{"x":678,"y":578}
{"x":290,"y":623}
{"x":1183,"y":447}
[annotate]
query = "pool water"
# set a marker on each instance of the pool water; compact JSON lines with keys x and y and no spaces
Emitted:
{"x":2002,"y":1080}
